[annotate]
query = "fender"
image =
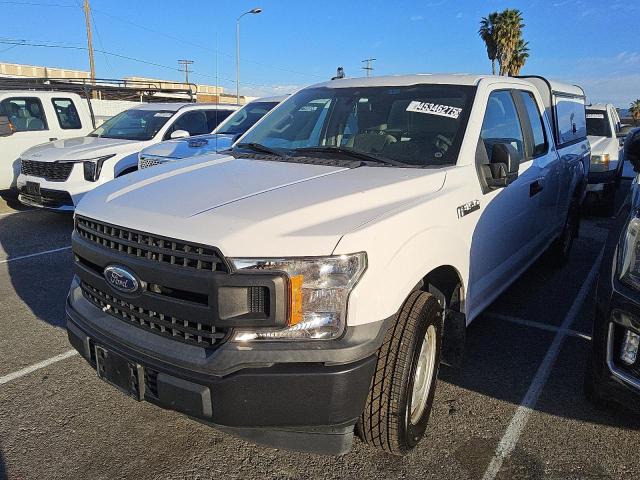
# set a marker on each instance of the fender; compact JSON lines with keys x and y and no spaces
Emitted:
{"x":395,"y":269}
{"x":123,"y":163}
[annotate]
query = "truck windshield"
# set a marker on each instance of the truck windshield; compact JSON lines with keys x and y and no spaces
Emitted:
{"x":133,"y":125}
{"x":416,"y":125}
{"x":245,"y":118}
{"x":598,"y":123}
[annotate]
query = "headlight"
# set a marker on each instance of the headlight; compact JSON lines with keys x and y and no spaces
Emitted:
{"x":601,"y":160}
{"x":629,"y":255}
{"x":319,"y":288}
{"x":93,"y":167}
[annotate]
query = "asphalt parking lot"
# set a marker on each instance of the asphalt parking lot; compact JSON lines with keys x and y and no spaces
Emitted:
{"x":515,"y":410}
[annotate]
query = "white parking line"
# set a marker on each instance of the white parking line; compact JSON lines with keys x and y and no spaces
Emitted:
{"x":519,"y":421}
{"x":34,"y":254}
{"x":17,"y":211}
{"x":37,"y":366}
{"x":541,"y":326}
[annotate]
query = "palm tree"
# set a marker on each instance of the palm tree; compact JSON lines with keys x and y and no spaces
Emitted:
{"x":487,"y":33}
{"x":519,"y":57}
{"x":634,"y":110}
{"x":508,"y":32}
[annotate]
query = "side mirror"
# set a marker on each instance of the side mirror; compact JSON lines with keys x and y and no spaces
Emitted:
{"x":504,"y":165}
{"x":180,"y":134}
{"x":6,"y":127}
{"x":632,"y":148}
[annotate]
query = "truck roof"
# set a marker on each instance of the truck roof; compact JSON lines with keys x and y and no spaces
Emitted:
{"x":452,"y":78}
{"x":598,"y":106}
{"x":278,"y":98}
{"x":174,"y":107}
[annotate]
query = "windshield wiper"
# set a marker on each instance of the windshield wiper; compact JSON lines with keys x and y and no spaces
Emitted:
{"x":348,"y":152}
{"x":257,"y":147}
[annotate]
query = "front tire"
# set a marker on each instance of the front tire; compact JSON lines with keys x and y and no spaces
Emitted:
{"x":397,"y":410}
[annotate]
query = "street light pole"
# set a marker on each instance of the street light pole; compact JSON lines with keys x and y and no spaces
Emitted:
{"x":253,"y":11}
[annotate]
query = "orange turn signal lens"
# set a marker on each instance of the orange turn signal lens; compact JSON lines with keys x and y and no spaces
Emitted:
{"x":295,"y":299}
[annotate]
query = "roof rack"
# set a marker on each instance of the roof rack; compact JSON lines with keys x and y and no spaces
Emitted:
{"x":107,"y":88}
{"x":146,"y":91}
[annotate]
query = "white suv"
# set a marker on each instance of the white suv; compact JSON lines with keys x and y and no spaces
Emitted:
{"x":315,"y":277}
{"x":57,"y":174}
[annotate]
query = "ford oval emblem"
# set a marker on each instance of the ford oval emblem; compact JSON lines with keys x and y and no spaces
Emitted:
{"x":121,"y":279}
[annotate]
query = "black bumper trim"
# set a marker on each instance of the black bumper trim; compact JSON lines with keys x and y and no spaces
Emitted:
{"x":299,"y":406}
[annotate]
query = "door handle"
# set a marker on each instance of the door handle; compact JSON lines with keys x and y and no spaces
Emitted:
{"x":52,"y":139}
{"x":535,"y":188}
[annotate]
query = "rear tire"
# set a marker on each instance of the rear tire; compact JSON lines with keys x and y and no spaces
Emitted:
{"x":397,"y":410}
{"x":561,"y":247}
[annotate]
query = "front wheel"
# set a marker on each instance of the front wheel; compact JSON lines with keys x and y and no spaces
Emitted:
{"x":397,"y":410}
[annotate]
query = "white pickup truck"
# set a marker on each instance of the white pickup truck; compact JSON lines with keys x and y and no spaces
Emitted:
{"x":36,"y":117}
{"x":314,"y":279}
{"x":603,"y":128}
{"x":57,"y":174}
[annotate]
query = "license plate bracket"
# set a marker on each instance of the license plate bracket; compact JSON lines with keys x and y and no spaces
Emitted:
{"x":33,"y":188}
{"x":126,"y":376}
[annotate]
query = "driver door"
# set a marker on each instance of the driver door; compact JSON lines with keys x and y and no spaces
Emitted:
{"x":504,"y":237}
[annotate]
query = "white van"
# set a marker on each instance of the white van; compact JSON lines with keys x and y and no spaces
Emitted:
{"x":34,"y":118}
{"x":56,"y":175}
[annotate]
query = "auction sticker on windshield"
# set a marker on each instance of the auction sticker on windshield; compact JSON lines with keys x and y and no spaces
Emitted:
{"x":595,"y":115}
{"x":434,"y":109}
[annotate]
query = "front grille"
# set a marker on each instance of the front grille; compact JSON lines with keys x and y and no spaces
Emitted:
{"x":146,"y":162}
{"x":52,"y":171}
{"x":166,"y":325}
{"x":48,"y":198}
{"x":152,"y":247}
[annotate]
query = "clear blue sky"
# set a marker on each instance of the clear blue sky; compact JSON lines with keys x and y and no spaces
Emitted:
{"x":297,"y":42}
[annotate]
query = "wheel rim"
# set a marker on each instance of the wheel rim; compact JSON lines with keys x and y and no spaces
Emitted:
{"x":424,"y":375}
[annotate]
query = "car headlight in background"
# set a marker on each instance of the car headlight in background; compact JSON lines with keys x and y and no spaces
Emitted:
{"x":319,"y":288}
{"x":93,"y":167}
{"x":601,"y":160}
{"x":629,"y":255}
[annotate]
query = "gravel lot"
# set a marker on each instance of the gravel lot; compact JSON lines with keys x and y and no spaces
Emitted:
{"x":62,"y":422}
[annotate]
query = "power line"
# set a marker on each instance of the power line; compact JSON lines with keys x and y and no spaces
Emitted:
{"x":26,"y":43}
{"x":37,"y":4}
{"x":164,"y":34}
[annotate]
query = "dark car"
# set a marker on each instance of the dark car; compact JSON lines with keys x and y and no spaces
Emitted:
{"x":613,"y":372}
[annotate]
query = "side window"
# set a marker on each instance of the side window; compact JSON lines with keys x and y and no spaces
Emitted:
{"x":194,"y":122}
{"x":67,"y":114}
{"x":571,"y":119}
{"x":215,"y":118}
{"x":26,"y":114}
{"x":501,"y":123}
{"x":540,"y":145}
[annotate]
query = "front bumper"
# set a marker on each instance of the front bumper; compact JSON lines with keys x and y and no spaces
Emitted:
{"x":604,"y":177}
{"x":56,"y":200}
{"x":299,"y":396}
{"x":617,"y":309}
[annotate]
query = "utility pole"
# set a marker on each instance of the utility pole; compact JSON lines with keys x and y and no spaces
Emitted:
{"x":368,"y":67}
{"x":185,"y":64}
{"x":87,"y":19}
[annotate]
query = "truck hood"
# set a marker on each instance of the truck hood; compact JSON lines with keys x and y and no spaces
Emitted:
{"x":601,"y":145}
{"x":256,"y":207}
{"x":190,"y":147}
{"x":81,"y":148}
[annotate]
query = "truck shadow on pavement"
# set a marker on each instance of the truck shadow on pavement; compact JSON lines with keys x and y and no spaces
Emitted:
{"x":36,"y":267}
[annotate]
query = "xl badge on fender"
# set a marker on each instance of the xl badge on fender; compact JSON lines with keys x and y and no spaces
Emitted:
{"x":121,"y":279}
{"x":468,"y":207}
